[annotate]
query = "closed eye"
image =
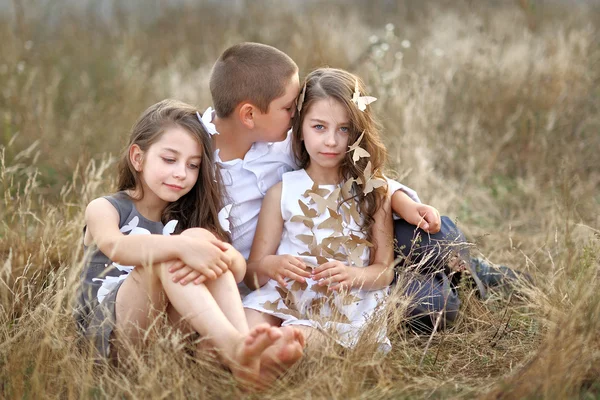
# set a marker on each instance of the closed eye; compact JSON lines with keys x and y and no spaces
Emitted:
{"x":168,"y":160}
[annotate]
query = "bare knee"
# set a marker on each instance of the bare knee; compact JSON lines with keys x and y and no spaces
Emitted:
{"x":199,"y":233}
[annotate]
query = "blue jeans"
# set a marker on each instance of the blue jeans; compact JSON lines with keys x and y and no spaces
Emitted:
{"x":422,"y":269}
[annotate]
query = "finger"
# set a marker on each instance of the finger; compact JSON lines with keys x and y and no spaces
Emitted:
{"x":175,"y":266}
{"x":177,"y":276}
{"x":200,"y":279}
{"x":302,"y":271}
{"x":223,"y":246}
{"x":281,"y":280}
{"x":326,"y":273}
{"x":294,"y":276}
{"x":299,"y":262}
{"x":298,"y":271}
{"x":323,"y":267}
{"x":224,"y":266}
{"x":210,"y":274}
{"x":215,"y":268}
{"x":333,"y":277}
{"x":189,"y":277}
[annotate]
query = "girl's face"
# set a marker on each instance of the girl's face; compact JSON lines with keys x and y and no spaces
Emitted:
{"x":169,"y":168}
{"x":325,"y":131}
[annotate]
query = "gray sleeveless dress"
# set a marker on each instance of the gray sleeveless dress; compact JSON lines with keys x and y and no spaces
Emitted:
{"x":101,"y":278}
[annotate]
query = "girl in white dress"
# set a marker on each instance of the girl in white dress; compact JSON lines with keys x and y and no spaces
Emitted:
{"x":323,"y":250}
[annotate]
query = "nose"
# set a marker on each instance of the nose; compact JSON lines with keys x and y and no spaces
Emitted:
{"x":180,"y":171}
{"x":330,"y":139}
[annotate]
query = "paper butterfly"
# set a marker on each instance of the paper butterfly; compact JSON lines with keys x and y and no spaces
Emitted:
{"x":359,"y":152}
{"x":301,"y":98}
{"x":361,"y":101}
{"x":206,"y":121}
{"x":370,"y":182}
{"x":224,"y":218}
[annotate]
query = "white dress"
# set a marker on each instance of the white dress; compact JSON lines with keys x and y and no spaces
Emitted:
{"x":344,"y":315}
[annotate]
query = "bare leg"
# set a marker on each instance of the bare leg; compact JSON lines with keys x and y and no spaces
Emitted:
{"x":142,"y":296}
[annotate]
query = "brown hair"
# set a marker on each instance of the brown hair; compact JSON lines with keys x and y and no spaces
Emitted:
{"x":251,"y":72}
{"x":324,"y":83}
{"x":201,"y":205}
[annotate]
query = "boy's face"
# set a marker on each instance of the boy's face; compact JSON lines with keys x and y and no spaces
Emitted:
{"x":273,"y":125}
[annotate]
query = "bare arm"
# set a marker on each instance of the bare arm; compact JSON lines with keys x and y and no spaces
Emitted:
{"x":263,"y":264}
{"x":266,"y":238}
{"x":424,"y":216}
{"x":102,"y":221}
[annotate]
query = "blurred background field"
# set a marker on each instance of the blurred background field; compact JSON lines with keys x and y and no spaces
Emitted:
{"x":491,"y":112}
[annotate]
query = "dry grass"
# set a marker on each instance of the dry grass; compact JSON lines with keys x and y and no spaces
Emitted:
{"x":491,"y":112}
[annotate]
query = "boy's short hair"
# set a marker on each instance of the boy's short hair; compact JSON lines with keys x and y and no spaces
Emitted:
{"x":252,"y":72}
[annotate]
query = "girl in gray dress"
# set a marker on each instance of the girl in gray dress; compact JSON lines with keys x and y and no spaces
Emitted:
{"x":167,"y":185}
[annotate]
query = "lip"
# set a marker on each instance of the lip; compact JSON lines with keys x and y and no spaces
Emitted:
{"x":173,"y":187}
{"x":330,"y":154}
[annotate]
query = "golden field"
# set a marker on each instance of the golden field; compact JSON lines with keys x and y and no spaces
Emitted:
{"x":491,"y":112}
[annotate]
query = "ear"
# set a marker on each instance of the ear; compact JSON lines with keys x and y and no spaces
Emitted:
{"x":136,"y":156}
{"x":247,"y":113}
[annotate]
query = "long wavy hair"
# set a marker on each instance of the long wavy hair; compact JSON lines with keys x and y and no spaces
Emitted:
{"x":337,"y":84}
{"x":201,"y":205}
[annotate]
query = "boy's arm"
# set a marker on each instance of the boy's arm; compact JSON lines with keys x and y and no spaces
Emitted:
{"x":407,"y":205}
{"x":421,"y":215}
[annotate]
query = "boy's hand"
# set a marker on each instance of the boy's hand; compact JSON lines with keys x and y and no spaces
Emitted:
{"x":423,"y":216}
{"x":280,"y":267}
{"x":335,"y":275}
{"x":420,"y":215}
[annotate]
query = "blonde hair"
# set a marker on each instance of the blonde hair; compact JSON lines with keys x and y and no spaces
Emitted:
{"x":252,"y":72}
{"x":337,"y":84}
{"x":201,"y":205}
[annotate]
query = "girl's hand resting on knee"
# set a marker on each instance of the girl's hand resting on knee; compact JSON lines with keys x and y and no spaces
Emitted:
{"x":335,"y":275}
{"x":201,"y":258}
{"x":280,"y":267}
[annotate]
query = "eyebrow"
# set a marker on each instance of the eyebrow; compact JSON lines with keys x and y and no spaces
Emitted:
{"x":178,"y":152}
{"x":325,"y":122}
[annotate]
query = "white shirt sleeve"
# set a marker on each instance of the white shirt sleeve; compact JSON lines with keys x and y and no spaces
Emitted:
{"x":395,"y":185}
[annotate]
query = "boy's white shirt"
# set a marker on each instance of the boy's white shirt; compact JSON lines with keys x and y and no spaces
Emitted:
{"x":247,"y":181}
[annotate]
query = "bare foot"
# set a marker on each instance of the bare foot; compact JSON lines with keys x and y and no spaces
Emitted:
{"x":283,"y":354}
{"x":245,"y":362}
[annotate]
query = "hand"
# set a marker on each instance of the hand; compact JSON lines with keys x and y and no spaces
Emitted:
{"x":335,"y":275}
{"x":280,"y":267}
{"x":200,"y":253}
{"x":423,"y":216}
{"x":184,"y":274}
